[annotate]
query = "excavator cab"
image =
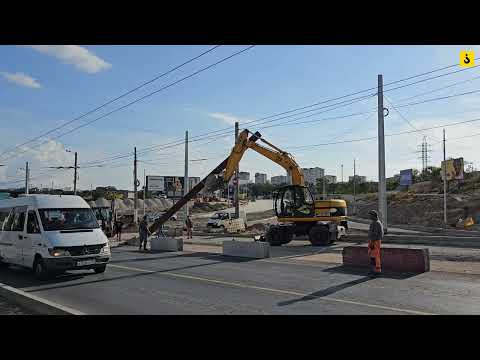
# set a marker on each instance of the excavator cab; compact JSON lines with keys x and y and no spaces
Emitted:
{"x":294,"y":201}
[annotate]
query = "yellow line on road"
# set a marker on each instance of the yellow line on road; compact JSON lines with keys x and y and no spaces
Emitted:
{"x":281,"y":291}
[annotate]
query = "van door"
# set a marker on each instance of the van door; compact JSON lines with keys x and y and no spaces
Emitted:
{"x":7,"y":253}
{"x":32,"y":239}
{"x":16,"y":234}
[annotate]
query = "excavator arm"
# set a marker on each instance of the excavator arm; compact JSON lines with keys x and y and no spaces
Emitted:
{"x":273,"y":153}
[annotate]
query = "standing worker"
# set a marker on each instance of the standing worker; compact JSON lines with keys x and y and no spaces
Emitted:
{"x":189,"y":225}
{"x":375,"y":237}
{"x":143,"y":232}
{"x":118,"y":229}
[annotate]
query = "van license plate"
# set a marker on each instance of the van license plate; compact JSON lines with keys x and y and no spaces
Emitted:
{"x":85,"y":262}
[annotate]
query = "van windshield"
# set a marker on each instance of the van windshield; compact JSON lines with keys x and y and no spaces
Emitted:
{"x":68,"y":219}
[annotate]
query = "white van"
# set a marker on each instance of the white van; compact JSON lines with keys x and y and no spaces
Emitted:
{"x":51,"y":234}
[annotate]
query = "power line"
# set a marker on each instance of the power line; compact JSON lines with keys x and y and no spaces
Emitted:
{"x":440,"y":88}
{"x":227,"y":132}
{"x":438,"y":98}
{"x":143,"y":97}
{"x":393,"y":134}
{"x":431,"y":78}
{"x":336,"y":98}
{"x":113,"y":100}
{"x":300,"y":108}
{"x":403,"y":117}
{"x":181,"y":142}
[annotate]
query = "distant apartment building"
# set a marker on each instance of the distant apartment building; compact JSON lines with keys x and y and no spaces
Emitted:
{"x":260,"y":178}
{"x":311,"y":175}
{"x":358,"y":179}
{"x":278,"y":180}
{"x":331,"y":179}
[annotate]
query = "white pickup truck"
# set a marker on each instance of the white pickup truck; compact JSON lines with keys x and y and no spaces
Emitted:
{"x":219,"y":219}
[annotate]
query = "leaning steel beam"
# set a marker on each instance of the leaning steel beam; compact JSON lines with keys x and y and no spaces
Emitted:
{"x":184,"y":200}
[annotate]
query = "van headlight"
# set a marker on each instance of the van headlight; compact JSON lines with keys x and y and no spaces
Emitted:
{"x":58,"y":252}
{"x":106,"y":249}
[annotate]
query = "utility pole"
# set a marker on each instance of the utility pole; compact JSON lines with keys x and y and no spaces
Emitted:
{"x":27,"y":176}
{"x":323,"y":186}
{"x":354,"y":192}
{"x":342,"y":173}
{"x":144,"y":190}
{"x":382,"y":183}
{"x":135,"y":185}
{"x":444,"y":182}
{"x":75,"y":176}
{"x":186,"y":183}
{"x":236,"y":182}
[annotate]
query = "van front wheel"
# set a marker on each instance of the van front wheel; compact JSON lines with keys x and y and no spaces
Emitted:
{"x":39,"y":269}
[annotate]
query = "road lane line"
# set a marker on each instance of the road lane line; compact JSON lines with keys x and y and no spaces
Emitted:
{"x":280,"y":291}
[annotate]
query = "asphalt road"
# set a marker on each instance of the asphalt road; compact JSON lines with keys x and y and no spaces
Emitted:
{"x":9,"y":308}
{"x":208,"y":283}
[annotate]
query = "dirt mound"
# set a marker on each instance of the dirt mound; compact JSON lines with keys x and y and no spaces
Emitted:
{"x":413,"y":209}
{"x":208,"y":207}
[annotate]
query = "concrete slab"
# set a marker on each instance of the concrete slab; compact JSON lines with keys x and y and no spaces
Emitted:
{"x":166,"y":244}
{"x":407,"y":260}
{"x":253,"y":249}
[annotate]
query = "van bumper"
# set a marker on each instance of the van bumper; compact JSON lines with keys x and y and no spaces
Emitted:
{"x":72,"y":263}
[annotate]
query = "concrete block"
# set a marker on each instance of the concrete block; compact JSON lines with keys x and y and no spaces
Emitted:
{"x":406,"y":260}
{"x":254,"y":249}
{"x":166,"y":244}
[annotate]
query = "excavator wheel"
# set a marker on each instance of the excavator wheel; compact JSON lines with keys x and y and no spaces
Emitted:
{"x":319,"y":236}
{"x":278,"y":235}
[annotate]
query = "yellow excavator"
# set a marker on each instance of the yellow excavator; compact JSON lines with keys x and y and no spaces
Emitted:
{"x":323,"y":221}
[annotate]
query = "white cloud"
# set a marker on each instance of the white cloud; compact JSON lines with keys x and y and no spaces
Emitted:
{"x":21,"y":79}
{"x":80,"y":57}
{"x":227,"y":118}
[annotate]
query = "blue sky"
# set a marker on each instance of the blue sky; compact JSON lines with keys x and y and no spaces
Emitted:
{"x":41,"y":88}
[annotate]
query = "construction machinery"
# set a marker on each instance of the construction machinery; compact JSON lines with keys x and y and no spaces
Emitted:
{"x":323,"y":221}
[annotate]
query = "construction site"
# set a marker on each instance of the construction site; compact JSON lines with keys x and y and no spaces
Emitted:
{"x":194,"y":235}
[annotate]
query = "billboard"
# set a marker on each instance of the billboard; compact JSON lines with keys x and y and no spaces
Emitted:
{"x":454,"y":169}
{"x":406,"y":177}
{"x":172,"y":186}
{"x":155,"y":183}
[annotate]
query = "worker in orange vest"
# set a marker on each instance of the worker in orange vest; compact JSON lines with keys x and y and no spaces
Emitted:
{"x":375,"y":237}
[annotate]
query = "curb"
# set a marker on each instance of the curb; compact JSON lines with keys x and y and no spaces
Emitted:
{"x":34,"y":303}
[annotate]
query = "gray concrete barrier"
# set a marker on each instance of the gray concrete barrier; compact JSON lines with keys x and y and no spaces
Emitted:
{"x":406,"y":260}
{"x":253,"y":249}
{"x":166,"y":244}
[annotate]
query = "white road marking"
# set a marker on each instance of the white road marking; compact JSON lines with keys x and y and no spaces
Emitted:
{"x":281,"y":291}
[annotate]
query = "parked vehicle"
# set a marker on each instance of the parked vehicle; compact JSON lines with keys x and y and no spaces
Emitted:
{"x":51,"y":234}
{"x":219,"y":219}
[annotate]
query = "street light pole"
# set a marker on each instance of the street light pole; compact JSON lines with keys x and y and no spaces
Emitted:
{"x":27,"y":185}
{"x":75,"y":176}
{"x":444,"y":182}
{"x":144,"y":189}
{"x":382,"y":184}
